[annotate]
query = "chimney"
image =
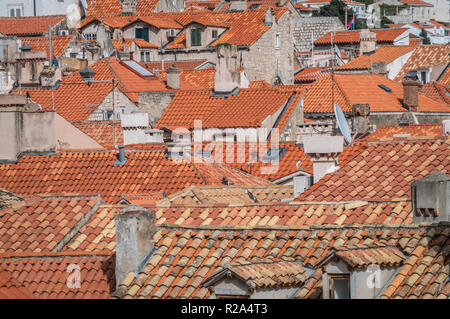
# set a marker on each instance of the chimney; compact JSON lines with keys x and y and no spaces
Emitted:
{"x":268,"y":17}
{"x":135,"y":228}
{"x":367,"y":41}
{"x":238,"y":5}
{"x":24,"y":130}
{"x":87,"y":74}
{"x":361,"y":118}
{"x":178,"y":142}
{"x":431,"y":198}
{"x":173,"y":78}
{"x":324,"y":151}
{"x":411,"y":87}
{"x":378,"y":68}
{"x":227,"y":77}
{"x":129,"y":6}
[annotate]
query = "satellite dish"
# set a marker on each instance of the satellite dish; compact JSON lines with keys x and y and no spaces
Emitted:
{"x":342,"y":124}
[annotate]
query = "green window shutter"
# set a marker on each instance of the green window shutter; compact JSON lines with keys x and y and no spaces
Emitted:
{"x":196,"y":37}
{"x":142,"y":33}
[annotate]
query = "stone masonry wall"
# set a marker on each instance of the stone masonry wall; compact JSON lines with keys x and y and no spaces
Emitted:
{"x":309,"y":28}
{"x":263,"y":59}
{"x":154,"y":103}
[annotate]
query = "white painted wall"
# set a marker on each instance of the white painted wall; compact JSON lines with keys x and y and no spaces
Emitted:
{"x":43,"y":7}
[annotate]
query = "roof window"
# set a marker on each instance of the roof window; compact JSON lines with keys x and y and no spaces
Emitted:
{"x":384,"y":87}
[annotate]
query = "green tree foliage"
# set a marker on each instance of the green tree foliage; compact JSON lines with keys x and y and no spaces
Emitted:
{"x":424,"y":35}
{"x":384,"y":21}
{"x":336,"y":8}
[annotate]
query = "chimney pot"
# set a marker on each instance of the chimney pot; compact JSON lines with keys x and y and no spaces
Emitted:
{"x":411,"y":86}
{"x":121,"y":158}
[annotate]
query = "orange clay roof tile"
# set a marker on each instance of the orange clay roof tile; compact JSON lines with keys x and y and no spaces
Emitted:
{"x":103,"y":132}
{"x":114,"y":7}
{"x":383,"y":36}
{"x":413,"y":158}
{"x":59,"y":44}
{"x":412,"y":131}
{"x":425,"y":56}
{"x":94,"y":172}
{"x":386,"y":54}
{"x":362,"y":88}
{"x":28,"y":26}
{"x":437,"y":92}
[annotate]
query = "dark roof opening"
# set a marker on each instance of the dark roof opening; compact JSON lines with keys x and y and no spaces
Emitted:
{"x":384,"y":87}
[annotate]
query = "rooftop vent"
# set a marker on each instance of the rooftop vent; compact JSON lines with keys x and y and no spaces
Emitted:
{"x":25,"y":47}
{"x":87,"y":74}
{"x":121,"y":159}
{"x":384,"y":87}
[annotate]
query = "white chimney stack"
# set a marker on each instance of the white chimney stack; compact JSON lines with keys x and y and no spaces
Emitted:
{"x":324,"y":151}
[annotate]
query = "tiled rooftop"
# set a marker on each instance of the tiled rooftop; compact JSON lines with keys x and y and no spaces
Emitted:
{"x":383,"y":36}
{"x":42,"y":224}
{"x":409,"y":132}
{"x":308,"y":75}
{"x":185,"y":257}
{"x":46,"y":275}
{"x":362,"y":88}
{"x":114,"y":8}
{"x":386,"y":54}
{"x":383,"y":171}
{"x":94,"y":172}
{"x":11,"y":288}
{"x":28,"y":26}
{"x":104,"y":132}
{"x":426,"y":55}
{"x":437,"y":92}
{"x":59,"y":44}
{"x":220,"y":112}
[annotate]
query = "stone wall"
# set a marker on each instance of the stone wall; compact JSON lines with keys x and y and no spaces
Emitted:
{"x":306,"y":29}
{"x":263,"y":59}
{"x":154,"y":103}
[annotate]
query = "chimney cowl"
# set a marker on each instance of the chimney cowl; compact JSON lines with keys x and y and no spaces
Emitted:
{"x":25,"y":47}
{"x":121,"y":159}
{"x":87,"y":74}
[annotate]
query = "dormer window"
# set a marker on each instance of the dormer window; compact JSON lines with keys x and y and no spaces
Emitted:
{"x":339,"y":286}
{"x":196,"y":37}
{"x":214,"y":34}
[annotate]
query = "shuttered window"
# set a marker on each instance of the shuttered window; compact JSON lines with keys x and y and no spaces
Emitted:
{"x":142,"y":33}
{"x":196,"y":37}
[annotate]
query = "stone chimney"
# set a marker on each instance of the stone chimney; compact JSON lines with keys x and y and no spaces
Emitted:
{"x":431,"y":198}
{"x":129,"y":6}
{"x":324,"y":151}
{"x":378,"y":68}
{"x":227,"y":77}
{"x":411,"y":87}
{"x":24,"y":128}
{"x":104,"y":40}
{"x":361,"y":118}
{"x":173,"y":78}
{"x":268,"y":17}
{"x":135,"y":228}
{"x":367,"y":41}
{"x":238,"y":5}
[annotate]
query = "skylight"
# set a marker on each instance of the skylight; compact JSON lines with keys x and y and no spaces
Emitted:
{"x":136,"y":67}
{"x":384,"y":87}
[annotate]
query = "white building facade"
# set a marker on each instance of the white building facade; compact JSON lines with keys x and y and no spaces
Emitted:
{"x":20,"y":8}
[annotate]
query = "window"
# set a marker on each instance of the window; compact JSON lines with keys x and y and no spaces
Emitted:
{"x":15,"y":11}
{"x":90,"y":36}
{"x":142,"y":33}
{"x":277,"y":41}
{"x":196,"y":37}
{"x":214,"y":34}
{"x":339,"y":286}
{"x":423,"y":77}
{"x":145,"y":56}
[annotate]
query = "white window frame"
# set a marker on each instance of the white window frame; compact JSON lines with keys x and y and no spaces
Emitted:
{"x":277,"y":41}
{"x":15,"y":8}
{"x":145,"y":56}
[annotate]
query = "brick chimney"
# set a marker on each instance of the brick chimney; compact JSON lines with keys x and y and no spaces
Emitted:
{"x":227,"y":77}
{"x":367,"y":41}
{"x":238,"y":5}
{"x":173,"y":78}
{"x":24,"y":128}
{"x":411,"y":87}
{"x":135,"y":228}
{"x":129,"y":6}
{"x":324,"y":151}
{"x":431,"y":198}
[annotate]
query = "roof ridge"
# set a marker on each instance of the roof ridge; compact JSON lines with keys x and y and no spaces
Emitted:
{"x":52,"y":254}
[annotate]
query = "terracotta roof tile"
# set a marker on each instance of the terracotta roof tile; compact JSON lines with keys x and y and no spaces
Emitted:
{"x":114,"y":8}
{"x":362,"y":88}
{"x":39,"y":224}
{"x":414,"y":159}
{"x":383,"y":36}
{"x":412,"y":131}
{"x":95,"y":172}
{"x":386,"y":54}
{"x":216,"y":248}
{"x":309,"y":75}
{"x":11,"y":288}
{"x":26,"y":26}
{"x":59,"y":44}
{"x":425,"y":56}
{"x":46,"y":275}
{"x":103,"y":132}
{"x":437,"y":92}
{"x":186,"y":65}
